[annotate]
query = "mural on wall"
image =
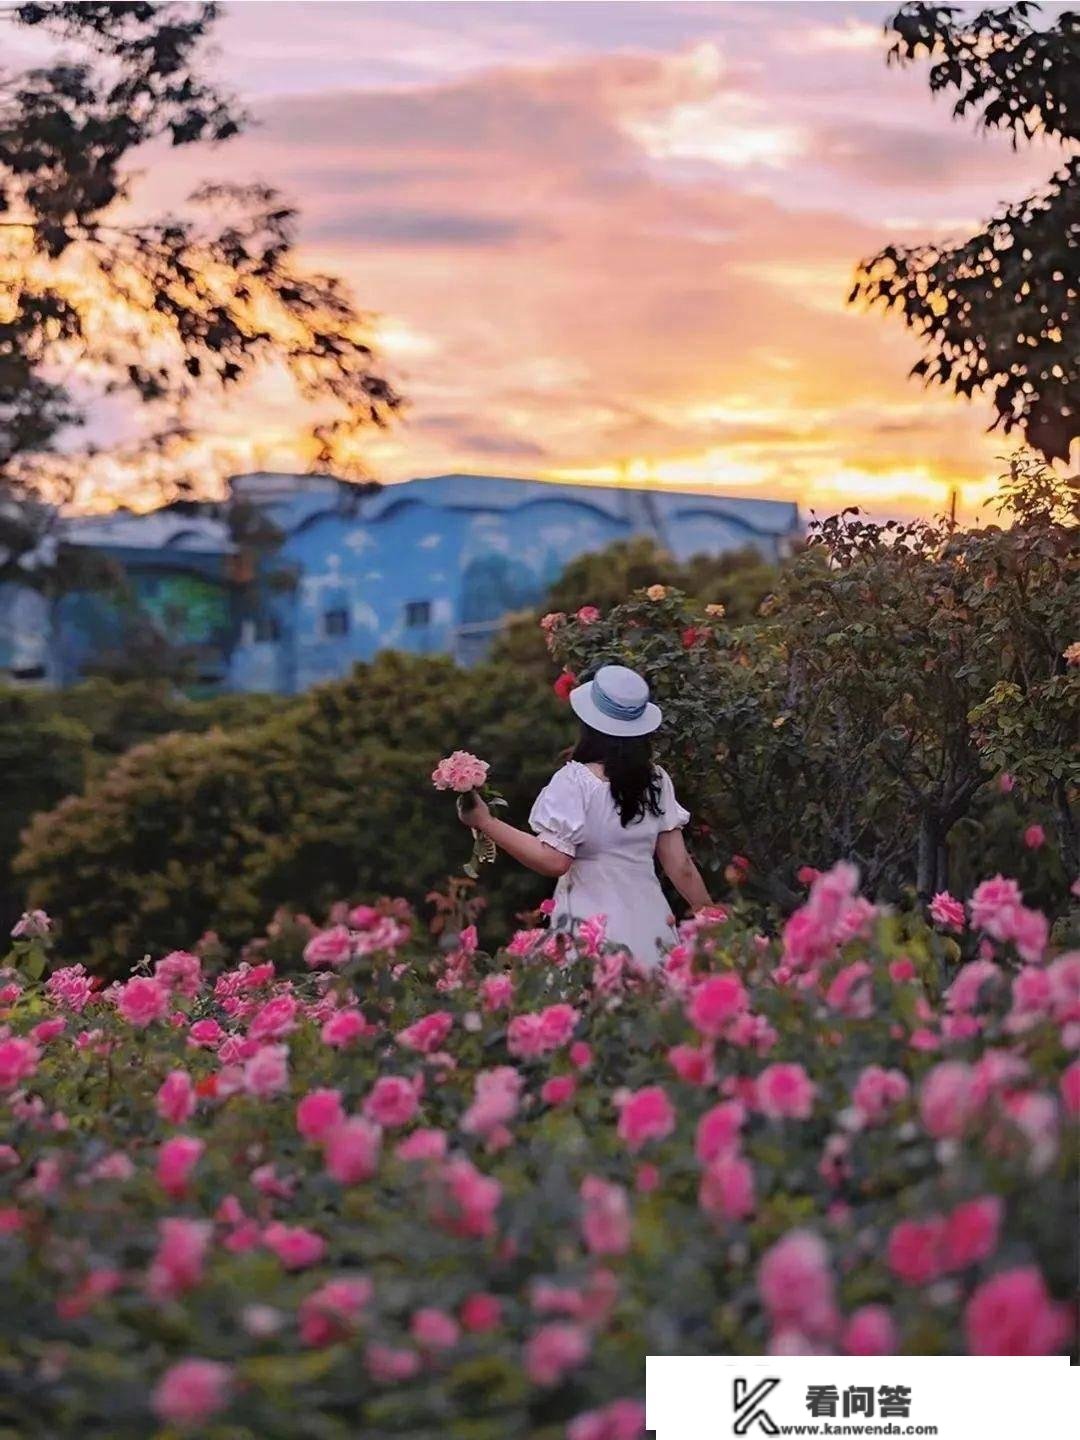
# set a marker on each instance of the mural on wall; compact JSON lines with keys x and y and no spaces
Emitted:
{"x":185,"y":609}
{"x":427,"y":565}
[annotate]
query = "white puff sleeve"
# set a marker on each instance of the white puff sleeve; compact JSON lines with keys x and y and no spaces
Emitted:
{"x":558,"y":816}
{"x":672,"y":815}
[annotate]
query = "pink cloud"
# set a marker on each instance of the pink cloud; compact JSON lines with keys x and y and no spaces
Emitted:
{"x":583,"y":272}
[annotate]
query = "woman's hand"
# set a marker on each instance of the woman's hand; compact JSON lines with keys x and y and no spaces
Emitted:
{"x":472,"y":810}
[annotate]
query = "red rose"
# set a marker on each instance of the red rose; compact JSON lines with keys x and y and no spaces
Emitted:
{"x":566,"y":682}
{"x":690,"y":636}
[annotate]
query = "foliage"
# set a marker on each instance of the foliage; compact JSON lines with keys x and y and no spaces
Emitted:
{"x":168,"y":311}
{"x":43,"y":757}
{"x":53,"y":741}
{"x":997,"y":313}
{"x":606,"y":1162}
{"x":219,"y":829}
{"x":737,"y":579}
{"x":873,"y":695}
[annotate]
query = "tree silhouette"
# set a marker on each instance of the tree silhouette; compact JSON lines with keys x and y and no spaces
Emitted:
{"x":997,"y":313}
{"x":169,"y":311}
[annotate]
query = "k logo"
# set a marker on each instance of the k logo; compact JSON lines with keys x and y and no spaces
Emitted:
{"x":749,"y":1410}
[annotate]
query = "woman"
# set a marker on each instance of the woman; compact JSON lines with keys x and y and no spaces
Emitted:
{"x":604,"y":819}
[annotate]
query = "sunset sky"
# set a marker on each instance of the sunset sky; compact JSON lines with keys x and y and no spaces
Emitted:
{"x":615,"y":240}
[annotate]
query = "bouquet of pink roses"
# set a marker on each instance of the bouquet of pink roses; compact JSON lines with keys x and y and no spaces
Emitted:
{"x":467,"y":775}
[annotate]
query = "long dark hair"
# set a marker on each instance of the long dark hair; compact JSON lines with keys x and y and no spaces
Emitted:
{"x":627,"y":762}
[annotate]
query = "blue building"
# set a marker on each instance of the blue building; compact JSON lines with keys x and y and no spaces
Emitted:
{"x":293,"y":578}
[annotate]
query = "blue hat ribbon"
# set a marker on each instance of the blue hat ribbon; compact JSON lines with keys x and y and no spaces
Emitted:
{"x":612,"y":709}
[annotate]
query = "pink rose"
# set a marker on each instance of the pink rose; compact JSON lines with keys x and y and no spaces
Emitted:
{"x":558,"y":1090}
{"x":971,"y":986}
{"x":692,"y":1065}
{"x":947,"y":911}
{"x":343,"y":1028}
{"x":785,"y":1091}
{"x":176,"y":1158}
{"x":32,"y":925}
{"x":876,"y":1091}
{"x":177,"y":1265}
{"x":480,"y":1313}
{"x":495,"y":1100}
{"x":796,"y":1284}
{"x":18,"y":1061}
{"x":267,"y":1072}
{"x":646,"y":1115}
{"x":205,"y":1035}
{"x":434,"y":1329}
{"x":423,"y":1145}
{"x":471,"y":1200}
{"x":332,"y":1312}
{"x":351,"y":1152}
{"x":294,"y":1246}
{"x":992,"y":901}
{"x":621,"y":1420}
{"x":1034,"y":837}
{"x":718,"y":1131}
{"x":191,"y":1392}
{"x":870,"y":1331}
{"x":70,"y":987}
{"x":180,"y":972}
{"x":587,"y":615}
{"x":461,"y":772}
{"x":716,"y":1002}
{"x":387,"y":1365}
{"x":916,"y":1250}
{"x":275,"y":1019}
{"x":331,"y":947}
{"x":392,"y":1102}
{"x":175,"y":1099}
{"x":142,"y":1001}
{"x":428,"y":1033}
{"x":1012,"y":1314}
{"x":852,"y":991}
{"x":727,"y":1188}
{"x":971,"y":1232}
{"x":1070,"y":1089}
{"x":554,"y":1351}
{"x":318,"y":1113}
{"x":524,"y":1037}
{"x":557,"y":1025}
{"x":605,"y":1217}
{"x":497,"y":992}
{"x":947,"y":1099}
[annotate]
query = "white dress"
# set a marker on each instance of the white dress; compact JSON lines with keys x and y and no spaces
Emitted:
{"x":614,"y":870}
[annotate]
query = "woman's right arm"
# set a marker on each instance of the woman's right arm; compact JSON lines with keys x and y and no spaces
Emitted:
{"x":680,"y":869}
{"x":527,"y":849}
{"x":521,"y":846}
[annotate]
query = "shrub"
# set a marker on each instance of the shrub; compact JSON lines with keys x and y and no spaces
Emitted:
{"x":466,"y":1194}
{"x":53,"y":741}
{"x":217,"y":830}
{"x":895,"y":669}
{"x":43,"y":757}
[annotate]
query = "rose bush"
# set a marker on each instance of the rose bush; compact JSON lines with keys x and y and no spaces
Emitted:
{"x":884,"y":688}
{"x":465,"y":1194}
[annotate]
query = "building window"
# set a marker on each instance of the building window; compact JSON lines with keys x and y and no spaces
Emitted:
{"x":336,"y":622}
{"x":267,"y":627}
{"x":417,"y":614}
